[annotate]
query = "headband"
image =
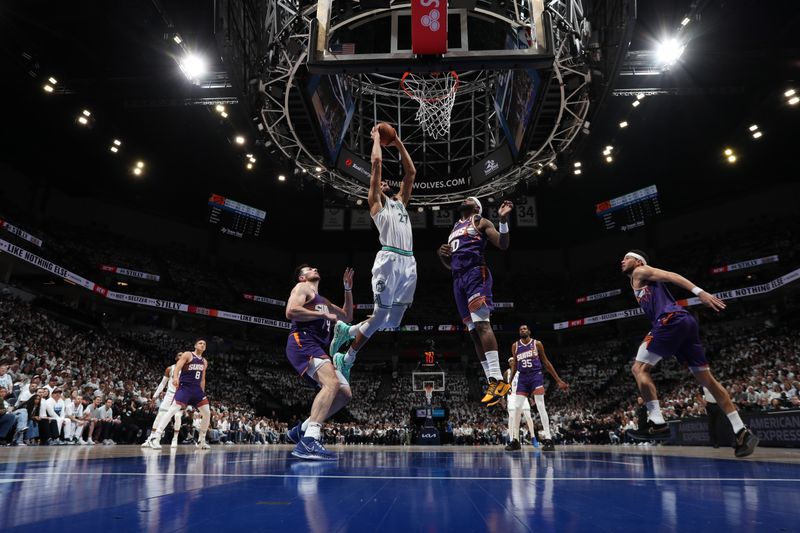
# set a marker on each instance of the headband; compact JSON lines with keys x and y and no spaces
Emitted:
{"x":478,"y":202}
{"x":636,"y":256}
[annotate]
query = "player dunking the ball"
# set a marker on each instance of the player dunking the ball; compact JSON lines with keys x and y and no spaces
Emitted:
{"x":313,"y":318}
{"x":189,"y":380}
{"x":472,"y":284}
{"x":675,"y":333}
{"x":166,"y":403}
{"x":394,"y":272}
{"x":528,"y":358}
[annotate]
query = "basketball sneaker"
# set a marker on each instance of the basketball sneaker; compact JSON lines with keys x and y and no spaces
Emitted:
{"x":548,"y":446}
{"x":154,"y":443}
{"x":341,"y":336}
{"x":295,"y":434}
{"x":746,"y":442}
{"x":174,"y":443}
{"x":496,"y":389}
{"x":342,"y":365}
{"x":203,"y":445}
{"x":513,"y":446}
{"x":309,"y":448}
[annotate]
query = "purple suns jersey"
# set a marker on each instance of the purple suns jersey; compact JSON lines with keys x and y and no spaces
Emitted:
{"x":468,"y":245}
{"x":192,"y":373}
{"x":319,"y":329}
{"x":527,"y":356}
{"x":656,"y":301}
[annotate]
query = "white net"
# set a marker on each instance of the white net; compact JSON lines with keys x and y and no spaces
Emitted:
{"x":436,"y":94}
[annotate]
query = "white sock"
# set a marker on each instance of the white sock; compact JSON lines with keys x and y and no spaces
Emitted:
{"x":654,"y":412}
{"x":350,"y":358}
{"x":736,"y":421}
{"x":539,"y":399}
{"x":313,"y":430}
{"x":304,"y":425}
{"x":493,"y":361}
{"x":485,"y":365}
{"x":353,"y":330}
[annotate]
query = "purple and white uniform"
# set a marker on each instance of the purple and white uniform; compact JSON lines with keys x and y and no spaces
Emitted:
{"x":674,"y":332}
{"x":309,"y":339}
{"x":472,"y":280}
{"x":189,"y":390}
{"x":529,"y":369}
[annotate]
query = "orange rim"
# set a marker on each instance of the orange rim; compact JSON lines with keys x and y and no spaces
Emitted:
{"x":453,"y":73}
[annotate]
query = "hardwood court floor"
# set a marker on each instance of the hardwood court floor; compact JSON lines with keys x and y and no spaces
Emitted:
{"x":387,"y":489}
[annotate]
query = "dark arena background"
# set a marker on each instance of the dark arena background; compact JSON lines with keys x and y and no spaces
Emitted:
{"x":166,"y":165}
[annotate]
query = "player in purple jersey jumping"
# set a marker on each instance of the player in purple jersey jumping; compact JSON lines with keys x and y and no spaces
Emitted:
{"x":675,"y":333}
{"x":472,"y":284}
{"x":189,"y":381}
{"x":313,"y":318}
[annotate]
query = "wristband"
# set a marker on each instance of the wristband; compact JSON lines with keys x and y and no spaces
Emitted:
{"x":504,"y":227}
{"x":696,"y":291}
{"x":346,"y":289}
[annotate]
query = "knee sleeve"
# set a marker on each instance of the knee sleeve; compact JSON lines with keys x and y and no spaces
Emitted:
{"x":380,"y":316}
{"x":481,"y":314}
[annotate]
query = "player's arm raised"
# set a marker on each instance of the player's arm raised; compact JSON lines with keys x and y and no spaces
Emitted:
{"x":648,"y":273}
{"x":410,"y":171}
{"x":185,"y":358}
{"x":295,"y":307}
{"x":374,"y":195}
{"x":498,"y":238}
{"x":549,"y":366}
{"x":346,"y":311}
{"x":444,"y":252}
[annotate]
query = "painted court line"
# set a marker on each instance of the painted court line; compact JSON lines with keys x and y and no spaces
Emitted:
{"x":434,"y":478}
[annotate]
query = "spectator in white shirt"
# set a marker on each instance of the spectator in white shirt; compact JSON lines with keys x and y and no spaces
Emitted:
{"x":74,"y":422}
{"x":6,"y":381}
{"x":108,"y":422}
{"x":51,"y":417}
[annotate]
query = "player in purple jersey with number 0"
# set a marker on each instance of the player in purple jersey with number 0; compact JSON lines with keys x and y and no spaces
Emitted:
{"x":313,"y":319}
{"x":472,"y":284}
{"x":675,"y":333}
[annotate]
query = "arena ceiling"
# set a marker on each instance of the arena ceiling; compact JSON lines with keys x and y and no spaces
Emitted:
{"x":120,"y":61}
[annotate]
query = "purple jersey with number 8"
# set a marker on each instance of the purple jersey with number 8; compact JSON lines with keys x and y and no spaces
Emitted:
{"x":192,"y":373}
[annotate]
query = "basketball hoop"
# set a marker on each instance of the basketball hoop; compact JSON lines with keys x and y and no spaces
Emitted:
{"x":436,"y":95}
{"x":428,"y":388}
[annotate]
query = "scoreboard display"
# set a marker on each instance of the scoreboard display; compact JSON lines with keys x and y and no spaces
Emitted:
{"x":234,"y":218}
{"x":629,"y":211}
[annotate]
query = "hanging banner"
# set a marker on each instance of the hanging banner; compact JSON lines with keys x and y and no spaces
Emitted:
{"x":443,"y":218}
{"x":429,"y":27}
{"x":22,"y":234}
{"x":263,"y":299}
{"x":527,"y":216}
{"x":745,"y":264}
{"x":130,"y":273}
{"x":598,"y":296}
{"x":725,"y":295}
{"x":360,"y":219}
{"x":332,"y":219}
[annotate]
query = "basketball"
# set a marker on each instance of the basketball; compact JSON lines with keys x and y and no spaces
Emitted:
{"x":388,"y":133}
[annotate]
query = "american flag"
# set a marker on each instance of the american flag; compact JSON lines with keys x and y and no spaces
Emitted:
{"x":343,"y":48}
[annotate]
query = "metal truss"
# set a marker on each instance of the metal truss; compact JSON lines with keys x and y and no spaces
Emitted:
{"x":474,"y":133}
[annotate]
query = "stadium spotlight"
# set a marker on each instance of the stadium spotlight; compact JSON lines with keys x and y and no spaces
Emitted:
{"x":435,"y":208}
{"x":48,"y":88}
{"x":252,"y":159}
{"x":731,"y":158}
{"x":669,"y":51}
{"x":239,"y":139}
{"x":757,"y":134}
{"x":539,"y":172}
{"x":754,"y":127}
{"x":609,"y":159}
{"x":224,"y":114}
{"x":640,"y":96}
{"x":420,"y":209}
{"x":685,"y":21}
{"x":317,"y":169}
{"x":359,"y":201}
{"x":114,"y":149}
{"x":636,"y":103}
{"x":83,"y":120}
{"x":52,"y":80}
{"x":87,"y":113}
{"x":577,"y":172}
{"x":623,"y":124}
{"x":728,"y":151}
{"x":281,"y":177}
{"x":577,"y":164}
{"x":793,"y":100}
{"x":177,"y":39}
{"x":193,"y":66}
{"x":137,"y":171}
{"x":249,"y":166}
{"x":789,"y":93}
{"x":117,"y":142}
{"x":219,"y":108}
{"x":140,"y":164}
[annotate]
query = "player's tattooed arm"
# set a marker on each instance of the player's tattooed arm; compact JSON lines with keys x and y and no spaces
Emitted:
{"x":445,"y":252}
